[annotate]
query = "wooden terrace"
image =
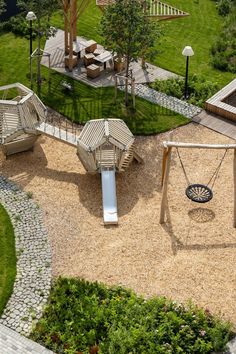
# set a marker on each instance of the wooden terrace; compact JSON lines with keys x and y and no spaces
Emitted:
{"x":106,"y":77}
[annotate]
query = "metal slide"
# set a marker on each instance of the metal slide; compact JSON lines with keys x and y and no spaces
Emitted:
{"x":109,"y":202}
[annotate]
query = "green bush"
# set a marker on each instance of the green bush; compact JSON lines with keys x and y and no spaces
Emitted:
{"x":224,"y":49}
{"x":199,"y":88}
{"x":224,"y":7}
{"x":84,"y":317}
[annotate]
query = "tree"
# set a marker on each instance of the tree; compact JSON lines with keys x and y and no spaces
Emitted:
{"x":2,"y":6}
{"x":128,"y":32}
{"x":42,"y":9}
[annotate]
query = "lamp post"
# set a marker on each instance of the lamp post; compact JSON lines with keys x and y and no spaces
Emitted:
{"x":187,"y":52}
{"x":30,"y":17}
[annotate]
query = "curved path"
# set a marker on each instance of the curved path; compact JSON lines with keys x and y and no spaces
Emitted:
{"x":33,"y":280}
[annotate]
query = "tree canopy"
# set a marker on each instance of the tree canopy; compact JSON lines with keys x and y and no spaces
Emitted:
{"x":39,"y":7}
{"x":2,"y":6}
{"x":127,"y":31}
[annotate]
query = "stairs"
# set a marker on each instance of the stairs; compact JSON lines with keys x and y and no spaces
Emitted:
{"x":130,"y":155}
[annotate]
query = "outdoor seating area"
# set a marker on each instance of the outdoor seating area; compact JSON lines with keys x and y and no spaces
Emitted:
{"x":87,"y":52}
{"x":90,"y":55}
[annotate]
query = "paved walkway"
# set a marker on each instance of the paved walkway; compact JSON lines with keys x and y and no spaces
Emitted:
{"x":13,"y":343}
{"x":216,"y":123}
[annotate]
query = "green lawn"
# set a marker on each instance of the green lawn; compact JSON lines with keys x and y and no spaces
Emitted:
{"x":85,"y":103}
{"x":7,"y":258}
{"x":199,"y":30}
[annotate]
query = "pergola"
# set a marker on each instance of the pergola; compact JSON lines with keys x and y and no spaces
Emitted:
{"x":152,"y":8}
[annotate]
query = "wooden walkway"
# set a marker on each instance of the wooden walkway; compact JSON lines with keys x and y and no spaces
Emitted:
{"x":58,"y":133}
{"x":55,"y":46}
{"x":216,"y":123}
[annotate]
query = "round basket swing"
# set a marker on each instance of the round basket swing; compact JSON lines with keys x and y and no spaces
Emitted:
{"x":197,"y":192}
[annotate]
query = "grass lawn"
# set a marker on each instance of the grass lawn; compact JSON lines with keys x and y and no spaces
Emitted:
{"x":199,"y":30}
{"x":7,"y":258}
{"x":83,"y":317}
{"x":85,"y":103}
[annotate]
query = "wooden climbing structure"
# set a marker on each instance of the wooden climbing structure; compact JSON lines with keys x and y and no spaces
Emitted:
{"x":153,"y":9}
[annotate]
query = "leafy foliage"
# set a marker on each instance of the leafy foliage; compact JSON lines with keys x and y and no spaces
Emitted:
{"x":224,"y":49}
{"x":127,"y":31}
{"x":200,"y":89}
{"x":84,"y":317}
{"x":39,"y":7}
{"x":2,"y":6}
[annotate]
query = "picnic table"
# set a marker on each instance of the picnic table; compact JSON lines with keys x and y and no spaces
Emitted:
{"x":104,"y":58}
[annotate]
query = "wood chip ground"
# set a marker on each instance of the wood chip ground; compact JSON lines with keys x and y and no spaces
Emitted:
{"x":192,"y":256}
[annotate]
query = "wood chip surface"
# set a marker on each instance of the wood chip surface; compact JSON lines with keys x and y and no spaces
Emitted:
{"x":192,"y":256}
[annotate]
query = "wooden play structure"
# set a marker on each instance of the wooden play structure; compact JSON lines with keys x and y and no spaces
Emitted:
{"x":21,"y":111}
{"x":199,"y":193}
{"x":153,"y":8}
{"x":223,"y":102}
{"x":106,"y":146}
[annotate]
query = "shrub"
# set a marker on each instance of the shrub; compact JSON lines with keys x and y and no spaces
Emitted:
{"x":224,"y":49}
{"x":200,"y":89}
{"x":224,"y":7}
{"x":84,"y":317}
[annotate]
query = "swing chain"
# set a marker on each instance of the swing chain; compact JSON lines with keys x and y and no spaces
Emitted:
{"x":216,"y":173}
{"x":213,"y":177}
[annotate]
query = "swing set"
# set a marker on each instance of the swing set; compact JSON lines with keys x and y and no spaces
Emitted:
{"x":198,"y":193}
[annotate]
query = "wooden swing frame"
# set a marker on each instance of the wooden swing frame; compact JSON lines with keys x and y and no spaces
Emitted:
{"x":168,"y":145}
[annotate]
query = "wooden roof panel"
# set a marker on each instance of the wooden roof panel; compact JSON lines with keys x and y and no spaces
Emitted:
{"x":96,"y":132}
{"x":153,"y":8}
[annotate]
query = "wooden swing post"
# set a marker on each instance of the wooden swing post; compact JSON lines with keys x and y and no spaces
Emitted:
{"x":166,"y":169}
{"x":165,"y":172}
{"x":234,"y":172}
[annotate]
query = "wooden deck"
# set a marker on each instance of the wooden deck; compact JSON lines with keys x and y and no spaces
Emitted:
{"x":55,"y":46}
{"x":216,"y":123}
{"x":223,"y":102}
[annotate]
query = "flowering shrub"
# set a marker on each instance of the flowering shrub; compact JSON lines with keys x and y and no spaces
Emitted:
{"x":84,"y":317}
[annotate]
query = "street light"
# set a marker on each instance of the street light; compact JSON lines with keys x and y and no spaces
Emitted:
{"x":30,"y":17}
{"x":187,"y":52}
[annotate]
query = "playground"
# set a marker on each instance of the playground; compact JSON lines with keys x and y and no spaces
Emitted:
{"x":190,"y":256}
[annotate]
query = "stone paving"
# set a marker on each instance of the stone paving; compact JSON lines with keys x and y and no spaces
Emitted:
{"x":179,"y":106}
{"x":12,"y":342}
{"x":33,"y":280}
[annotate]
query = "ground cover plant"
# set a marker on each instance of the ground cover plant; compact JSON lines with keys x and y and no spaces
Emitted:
{"x":7,"y":258}
{"x":83,"y":317}
{"x":199,"y":88}
{"x":224,"y":48}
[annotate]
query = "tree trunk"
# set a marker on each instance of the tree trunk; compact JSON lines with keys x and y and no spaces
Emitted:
{"x":126,"y":81}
